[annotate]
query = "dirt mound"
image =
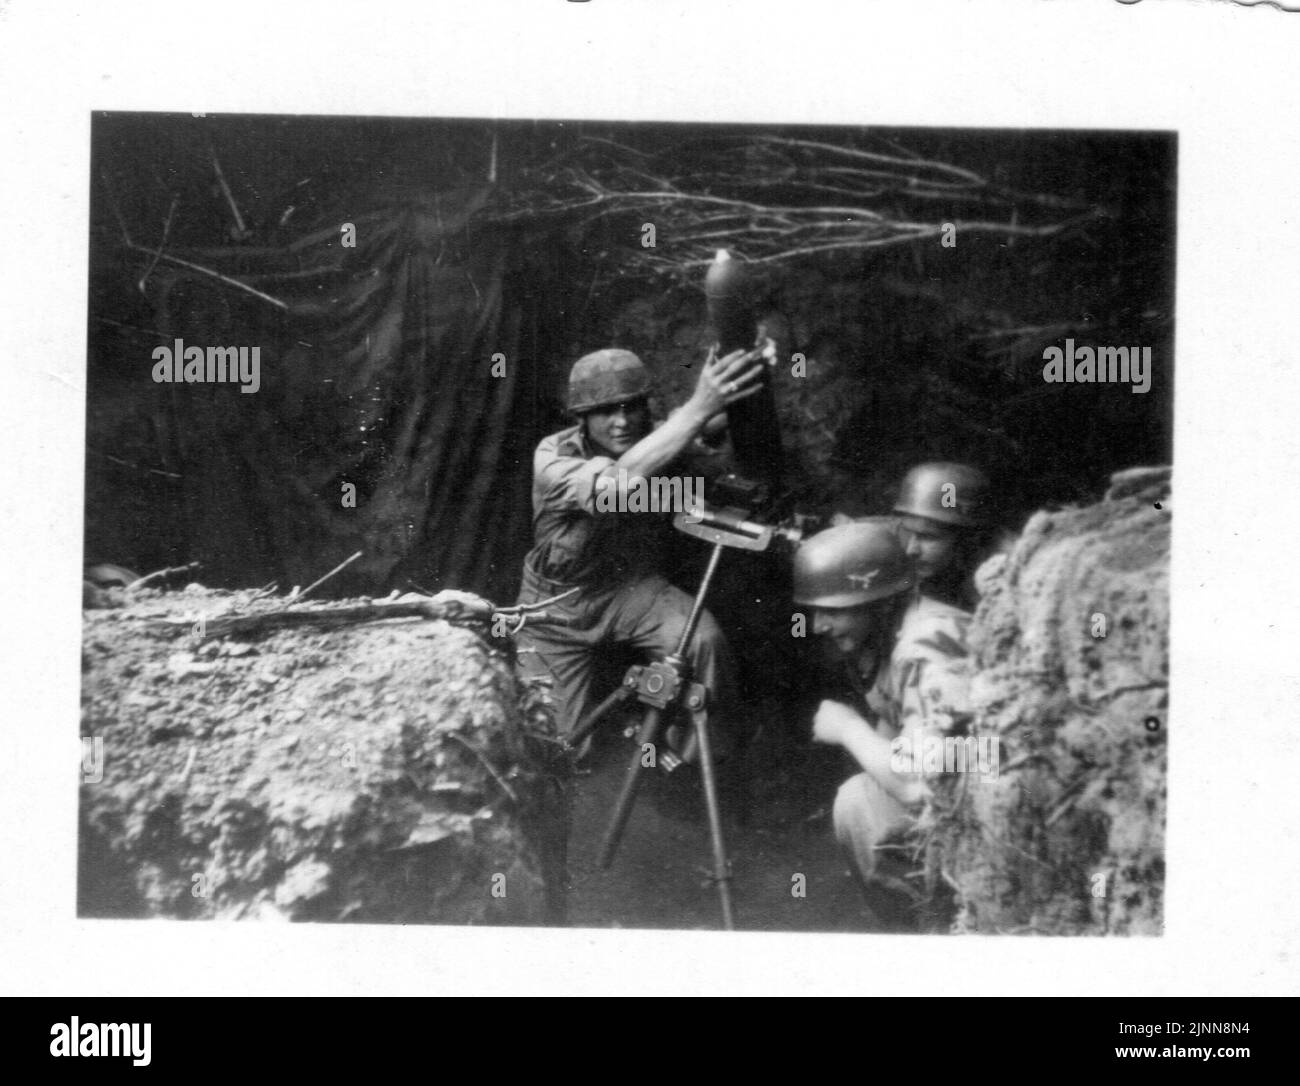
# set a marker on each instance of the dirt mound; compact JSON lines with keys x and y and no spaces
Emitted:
{"x":1071,"y":641}
{"x":385,"y":772}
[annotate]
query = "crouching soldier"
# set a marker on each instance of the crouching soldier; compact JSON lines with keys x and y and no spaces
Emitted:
{"x":587,"y":544}
{"x":907,"y":657}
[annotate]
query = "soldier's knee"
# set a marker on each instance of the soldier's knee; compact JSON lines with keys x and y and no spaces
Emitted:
{"x":848,"y":801}
{"x":855,"y":813}
{"x":707,"y":643}
{"x":709,"y":634}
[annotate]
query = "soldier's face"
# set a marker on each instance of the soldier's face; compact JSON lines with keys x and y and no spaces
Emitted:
{"x":931,"y":546}
{"x":849,"y":629}
{"x":615,"y":429}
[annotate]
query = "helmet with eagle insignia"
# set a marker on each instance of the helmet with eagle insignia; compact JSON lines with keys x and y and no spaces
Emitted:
{"x":850,"y":565}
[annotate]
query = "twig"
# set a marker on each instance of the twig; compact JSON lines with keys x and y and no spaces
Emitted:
{"x":137,"y":467}
{"x":487,"y":765}
{"x":117,"y":211}
{"x":620,"y":146}
{"x":160,"y":255}
{"x":714,"y":199}
{"x":1095,"y":707}
{"x":1016,"y":763}
{"x":337,"y":569}
{"x":454,"y":611}
{"x":1014,"y":848}
{"x":535,"y":618}
{"x":151,"y":332}
{"x":526,"y":607}
{"x":167,"y":229}
{"x":1068,"y":798}
{"x":208,"y":271}
{"x":161,"y":574}
{"x":184,"y":775}
{"x":956,"y":172}
{"x":241,"y":230}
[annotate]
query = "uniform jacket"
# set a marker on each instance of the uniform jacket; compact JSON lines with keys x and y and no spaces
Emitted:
{"x":573,"y":543}
{"x":925,"y":685}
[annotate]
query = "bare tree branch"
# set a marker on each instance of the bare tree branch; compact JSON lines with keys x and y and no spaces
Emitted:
{"x":209,"y":272}
{"x":878,"y":199}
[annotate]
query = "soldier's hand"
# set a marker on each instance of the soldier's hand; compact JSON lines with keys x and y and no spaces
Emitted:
{"x":728,"y":380}
{"x":833,"y":721}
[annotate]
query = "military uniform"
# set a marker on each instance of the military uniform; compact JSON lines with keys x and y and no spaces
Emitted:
{"x":923,"y":689}
{"x":611,"y":558}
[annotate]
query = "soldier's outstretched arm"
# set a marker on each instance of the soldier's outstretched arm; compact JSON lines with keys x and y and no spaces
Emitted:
{"x":722,"y":382}
{"x":835,"y":722}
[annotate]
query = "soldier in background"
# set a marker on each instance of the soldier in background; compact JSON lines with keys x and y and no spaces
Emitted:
{"x":945,"y":528}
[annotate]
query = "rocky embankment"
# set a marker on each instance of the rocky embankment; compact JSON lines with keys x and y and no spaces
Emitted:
{"x":390,"y":771}
{"x":1072,"y":652}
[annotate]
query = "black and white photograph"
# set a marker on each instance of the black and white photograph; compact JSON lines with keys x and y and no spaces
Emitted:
{"x":633,"y":525}
{"x":577,"y":497}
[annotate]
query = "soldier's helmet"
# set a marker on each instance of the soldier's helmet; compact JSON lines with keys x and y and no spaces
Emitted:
{"x":850,"y":565}
{"x":955,"y":494}
{"x":606,"y":377}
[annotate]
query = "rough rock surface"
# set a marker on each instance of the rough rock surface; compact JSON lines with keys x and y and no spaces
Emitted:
{"x":1072,"y":652}
{"x":386,"y":772}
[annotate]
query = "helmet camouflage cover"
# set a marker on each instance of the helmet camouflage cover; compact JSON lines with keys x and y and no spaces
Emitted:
{"x":606,"y":377}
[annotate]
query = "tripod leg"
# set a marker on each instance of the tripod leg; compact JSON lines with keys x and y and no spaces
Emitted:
{"x":721,"y":872}
{"x":589,"y":722}
{"x":631,"y":782}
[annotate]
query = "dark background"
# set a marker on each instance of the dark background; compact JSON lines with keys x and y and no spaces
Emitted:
{"x":376,"y":370}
